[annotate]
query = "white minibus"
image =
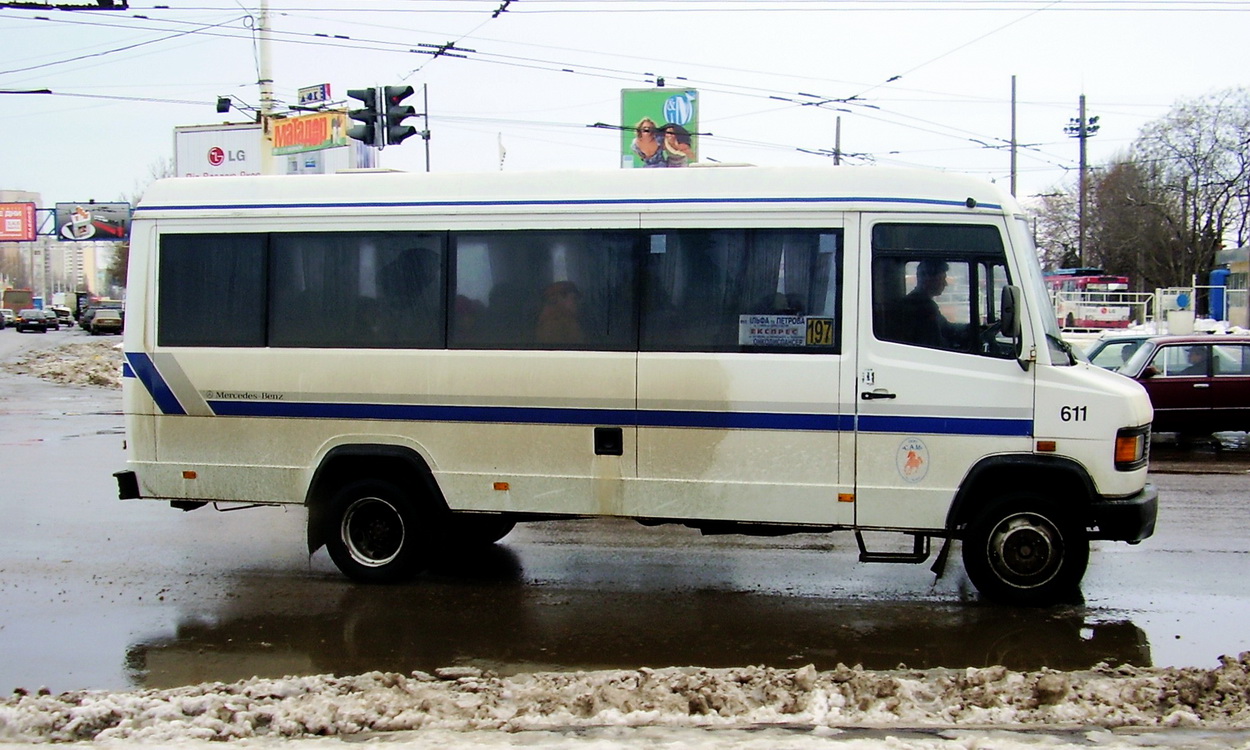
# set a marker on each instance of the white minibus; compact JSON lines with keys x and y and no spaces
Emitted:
{"x":425,"y":360}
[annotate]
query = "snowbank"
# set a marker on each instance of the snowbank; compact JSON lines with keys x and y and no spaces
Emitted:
{"x":461,"y":699}
{"x":96,"y":362}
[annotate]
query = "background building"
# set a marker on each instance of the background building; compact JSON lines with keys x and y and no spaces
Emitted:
{"x":49,"y":265}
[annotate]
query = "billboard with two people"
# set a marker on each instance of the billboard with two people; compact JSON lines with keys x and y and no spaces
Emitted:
{"x":659,"y":127}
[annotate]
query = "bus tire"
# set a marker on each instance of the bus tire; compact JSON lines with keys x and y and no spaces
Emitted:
{"x":375,"y":535}
{"x":1021,"y":549}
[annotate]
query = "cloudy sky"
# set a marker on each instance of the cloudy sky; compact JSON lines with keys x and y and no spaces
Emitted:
{"x":915,"y":82}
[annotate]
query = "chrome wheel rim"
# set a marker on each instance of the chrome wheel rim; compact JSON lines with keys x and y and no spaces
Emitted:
{"x":1025,"y":550}
{"x":373,"y":531}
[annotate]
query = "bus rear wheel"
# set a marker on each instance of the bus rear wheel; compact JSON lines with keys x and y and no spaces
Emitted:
{"x":375,"y":537}
{"x":1022,"y":550}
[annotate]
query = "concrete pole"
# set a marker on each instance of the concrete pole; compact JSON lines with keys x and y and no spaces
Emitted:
{"x":1013,"y":135}
{"x":1080,"y":214}
{"x":265,"y":80}
{"x":265,"y":72}
{"x":837,"y":142}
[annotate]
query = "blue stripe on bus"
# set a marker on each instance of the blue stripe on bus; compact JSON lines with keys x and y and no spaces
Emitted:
{"x":647,"y":202}
{"x":947,"y":425}
{"x":628,"y":418}
{"x":145,"y":370}
{"x":745,"y":420}
{"x":535,"y":415}
{"x":140,"y":366}
{"x":127,"y":370}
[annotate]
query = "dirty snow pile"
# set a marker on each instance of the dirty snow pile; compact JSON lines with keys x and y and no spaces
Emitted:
{"x":95,"y":362}
{"x":461,"y":699}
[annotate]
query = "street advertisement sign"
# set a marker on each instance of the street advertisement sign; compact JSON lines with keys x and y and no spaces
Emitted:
{"x":311,"y":95}
{"x":658,"y":127}
{"x":77,"y":222}
{"x":294,"y":135}
{"x":218,"y":150}
{"x":17,"y":222}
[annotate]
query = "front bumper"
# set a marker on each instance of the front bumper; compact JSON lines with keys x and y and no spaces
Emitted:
{"x":1126,"y":519}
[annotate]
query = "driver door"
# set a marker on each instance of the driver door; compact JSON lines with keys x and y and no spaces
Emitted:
{"x":929,"y":406}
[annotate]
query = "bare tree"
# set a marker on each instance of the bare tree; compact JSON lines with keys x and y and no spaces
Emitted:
{"x":1198,"y":156}
{"x":1135,"y":226}
{"x":1055,"y":227}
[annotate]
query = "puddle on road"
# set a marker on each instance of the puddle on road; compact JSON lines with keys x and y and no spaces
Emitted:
{"x":492,"y":619}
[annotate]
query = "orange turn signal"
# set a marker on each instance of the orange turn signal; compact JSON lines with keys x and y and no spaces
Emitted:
{"x":1128,"y":448}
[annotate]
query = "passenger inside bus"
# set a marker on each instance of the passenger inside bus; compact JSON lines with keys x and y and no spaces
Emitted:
{"x":559,"y":319}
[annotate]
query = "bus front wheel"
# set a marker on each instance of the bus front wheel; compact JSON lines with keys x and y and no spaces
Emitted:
{"x":375,"y":532}
{"x":1022,"y":550}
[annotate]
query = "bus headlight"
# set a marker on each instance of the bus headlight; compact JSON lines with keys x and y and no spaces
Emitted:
{"x":1132,"y":448}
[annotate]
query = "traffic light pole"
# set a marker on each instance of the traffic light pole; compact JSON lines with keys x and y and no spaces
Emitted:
{"x":425,"y":118}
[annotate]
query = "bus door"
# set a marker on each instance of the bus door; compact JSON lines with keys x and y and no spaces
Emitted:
{"x":937,"y":388}
{"x":741,"y":360}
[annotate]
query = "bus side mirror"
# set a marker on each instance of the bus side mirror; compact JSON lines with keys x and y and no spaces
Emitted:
{"x":1009,"y":312}
{"x":1009,"y":320}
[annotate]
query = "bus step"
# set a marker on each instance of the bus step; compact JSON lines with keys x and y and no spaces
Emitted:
{"x":919,"y":552}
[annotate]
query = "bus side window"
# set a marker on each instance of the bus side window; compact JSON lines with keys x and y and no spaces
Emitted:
{"x":211,"y":290}
{"x":544,"y":290}
{"x":731,"y":290}
{"x":356,"y":290}
{"x":938,"y":286}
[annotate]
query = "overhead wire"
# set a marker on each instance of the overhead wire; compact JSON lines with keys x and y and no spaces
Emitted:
{"x":552,"y":66}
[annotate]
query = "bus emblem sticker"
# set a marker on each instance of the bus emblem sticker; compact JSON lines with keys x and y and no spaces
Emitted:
{"x":913,"y":459}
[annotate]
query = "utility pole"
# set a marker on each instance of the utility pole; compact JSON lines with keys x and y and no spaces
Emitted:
{"x":265,"y":78}
{"x":265,"y":81}
{"x":1013,"y":135}
{"x":837,"y":142}
{"x":425,"y":120}
{"x":1082,"y":129}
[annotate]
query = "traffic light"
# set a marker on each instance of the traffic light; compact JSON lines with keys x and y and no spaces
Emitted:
{"x":396,"y":130}
{"x":369,"y":131}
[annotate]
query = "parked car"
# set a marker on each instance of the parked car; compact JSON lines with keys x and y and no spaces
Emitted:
{"x":1112,"y":350}
{"x":1198,"y":384}
{"x":85,"y":319}
{"x":31,"y":319}
{"x":106,"y":321}
{"x":52,"y":321}
{"x":10,"y":317}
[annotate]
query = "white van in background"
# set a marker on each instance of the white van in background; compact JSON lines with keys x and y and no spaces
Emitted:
{"x":424,"y":360}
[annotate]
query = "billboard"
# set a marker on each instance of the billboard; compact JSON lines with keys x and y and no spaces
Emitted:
{"x":92,"y":221}
{"x":294,"y":135}
{"x":659,"y":127}
{"x":218,"y":150}
{"x":17,"y":222}
{"x":316,"y":144}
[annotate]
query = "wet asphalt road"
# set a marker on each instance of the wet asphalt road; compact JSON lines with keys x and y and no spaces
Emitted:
{"x":100,"y":593}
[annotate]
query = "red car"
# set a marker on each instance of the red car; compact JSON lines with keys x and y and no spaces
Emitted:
{"x":1198,"y":384}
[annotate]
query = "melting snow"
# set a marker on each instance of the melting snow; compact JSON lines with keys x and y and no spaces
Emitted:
{"x":468,"y":700}
{"x":95,"y":362}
